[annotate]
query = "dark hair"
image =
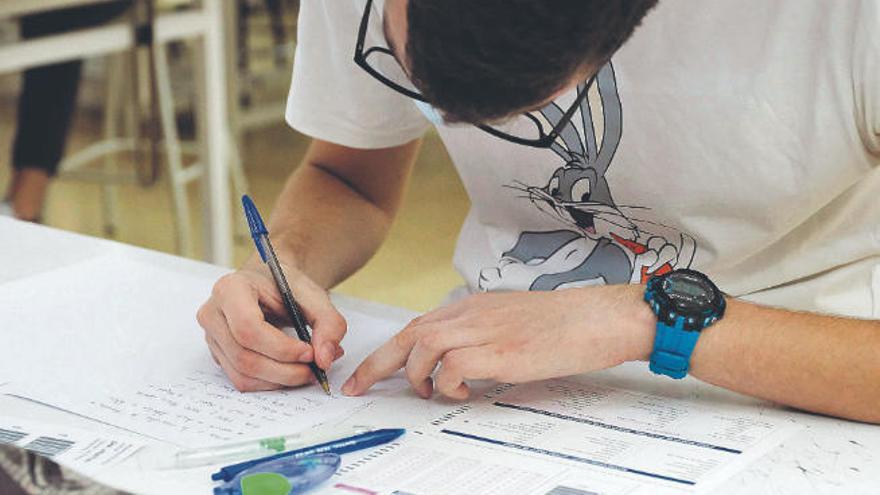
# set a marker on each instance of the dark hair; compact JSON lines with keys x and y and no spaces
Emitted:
{"x":480,"y":60}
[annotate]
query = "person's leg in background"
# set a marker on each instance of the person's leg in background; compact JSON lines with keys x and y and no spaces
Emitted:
{"x":46,"y":106}
{"x":45,"y":111}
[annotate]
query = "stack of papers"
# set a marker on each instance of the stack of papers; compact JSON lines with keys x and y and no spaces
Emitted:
{"x":121,"y":345}
{"x":118,"y":343}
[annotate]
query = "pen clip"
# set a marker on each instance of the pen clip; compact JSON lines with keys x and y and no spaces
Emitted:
{"x":255,"y":224}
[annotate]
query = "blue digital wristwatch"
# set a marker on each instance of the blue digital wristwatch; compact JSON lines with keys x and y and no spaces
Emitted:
{"x":685,"y":302}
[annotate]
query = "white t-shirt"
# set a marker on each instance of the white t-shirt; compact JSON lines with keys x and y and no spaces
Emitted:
{"x":744,"y":139}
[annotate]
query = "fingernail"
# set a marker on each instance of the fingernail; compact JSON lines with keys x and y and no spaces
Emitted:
{"x":426,"y":389}
{"x":348,"y":387}
{"x":339,"y":353}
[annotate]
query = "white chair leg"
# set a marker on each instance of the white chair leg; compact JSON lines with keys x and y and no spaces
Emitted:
{"x":233,"y":76}
{"x":240,"y":186}
{"x":109,"y":191}
{"x":236,"y":167}
{"x":177,"y":175}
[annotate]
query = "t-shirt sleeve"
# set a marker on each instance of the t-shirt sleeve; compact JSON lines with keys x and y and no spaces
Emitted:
{"x":866,"y":58}
{"x":331,"y":97}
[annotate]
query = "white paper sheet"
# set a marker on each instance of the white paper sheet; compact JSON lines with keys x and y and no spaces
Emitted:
{"x":119,"y":343}
{"x":573,"y":438}
{"x":80,"y":450}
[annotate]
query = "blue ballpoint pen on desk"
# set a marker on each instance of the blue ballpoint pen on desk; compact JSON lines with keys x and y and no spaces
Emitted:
{"x":261,"y":238}
{"x":342,"y":446}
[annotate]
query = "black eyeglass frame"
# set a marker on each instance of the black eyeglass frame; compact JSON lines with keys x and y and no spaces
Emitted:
{"x":544,"y":141}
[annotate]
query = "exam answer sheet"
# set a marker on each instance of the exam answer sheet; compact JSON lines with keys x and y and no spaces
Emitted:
{"x":569,"y":437}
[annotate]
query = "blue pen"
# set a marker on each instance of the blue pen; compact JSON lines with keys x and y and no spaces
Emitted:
{"x":260,"y":234}
{"x":342,"y":446}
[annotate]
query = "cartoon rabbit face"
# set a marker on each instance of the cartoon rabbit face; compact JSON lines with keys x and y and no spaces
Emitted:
{"x":578,"y":193}
{"x":580,"y":197}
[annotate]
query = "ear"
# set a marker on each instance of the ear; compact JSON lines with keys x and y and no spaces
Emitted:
{"x":587,"y":120}
{"x":613,"y":117}
{"x":569,"y":134}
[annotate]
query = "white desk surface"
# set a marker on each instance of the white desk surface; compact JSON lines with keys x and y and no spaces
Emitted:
{"x":827,"y":456}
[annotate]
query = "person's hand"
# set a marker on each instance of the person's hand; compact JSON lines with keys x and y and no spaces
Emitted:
{"x":514,"y":337}
{"x":241,"y":320}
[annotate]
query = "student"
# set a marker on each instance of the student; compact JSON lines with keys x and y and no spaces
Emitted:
{"x":737,"y":139}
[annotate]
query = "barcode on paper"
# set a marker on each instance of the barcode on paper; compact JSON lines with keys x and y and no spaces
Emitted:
{"x":48,"y":446}
{"x":10,"y":436}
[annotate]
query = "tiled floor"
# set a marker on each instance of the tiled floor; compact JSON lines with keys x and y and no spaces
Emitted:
{"x":413,"y":269}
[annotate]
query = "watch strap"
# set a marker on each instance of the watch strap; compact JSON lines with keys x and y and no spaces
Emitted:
{"x":673,"y":346}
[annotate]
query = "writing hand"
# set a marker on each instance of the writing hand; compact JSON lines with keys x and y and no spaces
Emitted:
{"x":253,"y":352}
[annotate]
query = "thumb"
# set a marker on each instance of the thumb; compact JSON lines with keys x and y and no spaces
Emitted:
{"x":328,"y":329}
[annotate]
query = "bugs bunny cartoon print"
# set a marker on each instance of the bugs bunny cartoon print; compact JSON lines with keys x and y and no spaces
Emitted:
{"x":599,"y":241}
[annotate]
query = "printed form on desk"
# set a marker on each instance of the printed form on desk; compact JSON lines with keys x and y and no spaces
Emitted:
{"x":569,"y":437}
{"x":78,"y":449}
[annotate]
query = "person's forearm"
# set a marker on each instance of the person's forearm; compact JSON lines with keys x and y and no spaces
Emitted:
{"x":323,"y":228}
{"x":824,"y":364}
{"x":328,"y":225}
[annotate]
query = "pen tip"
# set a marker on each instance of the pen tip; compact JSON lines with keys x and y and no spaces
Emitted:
{"x":326,"y":387}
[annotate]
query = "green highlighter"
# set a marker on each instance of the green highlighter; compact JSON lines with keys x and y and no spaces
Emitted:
{"x":282,"y":476}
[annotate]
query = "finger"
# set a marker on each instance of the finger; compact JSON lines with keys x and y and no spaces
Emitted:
{"x":328,"y":329}
{"x":277,"y":321}
{"x":447,"y":312}
{"x":327,"y":323}
{"x":474,"y":363}
{"x":255,"y":365}
{"x":246,"y":322}
{"x":381,"y":363}
{"x":210,"y":342}
{"x":242,"y":383}
{"x":210,"y":322}
{"x":433,"y":342}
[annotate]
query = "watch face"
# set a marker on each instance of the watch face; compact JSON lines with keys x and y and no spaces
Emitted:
{"x":690,"y":294}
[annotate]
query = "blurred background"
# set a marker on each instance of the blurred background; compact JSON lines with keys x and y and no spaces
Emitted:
{"x":129,"y":164}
